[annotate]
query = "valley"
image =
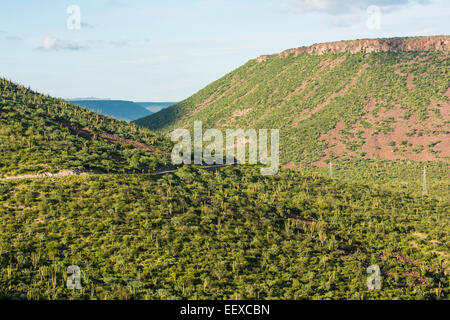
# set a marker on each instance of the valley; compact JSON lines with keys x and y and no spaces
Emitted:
{"x":78,"y":188}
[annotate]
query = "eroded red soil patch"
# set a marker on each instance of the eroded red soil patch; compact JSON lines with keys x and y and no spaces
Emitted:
{"x":325,"y":64}
{"x":334,"y":138}
{"x":332,"y":97}
{"x":291,"y":165}
{"x":89,"y":134}
{"x":215,"y":97}
{"x":410,"y":139}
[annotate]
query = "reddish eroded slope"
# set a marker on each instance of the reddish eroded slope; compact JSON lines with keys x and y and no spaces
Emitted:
{"x":376,"y":98}
{"x":410,"y":138}
{"x":89,"y":134}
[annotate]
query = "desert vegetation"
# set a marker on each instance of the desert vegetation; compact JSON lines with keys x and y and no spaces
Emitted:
{"x":331,"y":105}
{"x":381,"y":119}
{"x":42,"y":134}
{"x":228,"y":234}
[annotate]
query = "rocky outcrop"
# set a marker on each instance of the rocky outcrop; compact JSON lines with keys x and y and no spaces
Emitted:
{"x":262,"y":58}
{"x":438,"y":43}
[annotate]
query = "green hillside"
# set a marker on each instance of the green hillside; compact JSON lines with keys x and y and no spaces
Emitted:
{"x":40,"y":134}
{"x":364,"y":105}
{"x":229,"y":234}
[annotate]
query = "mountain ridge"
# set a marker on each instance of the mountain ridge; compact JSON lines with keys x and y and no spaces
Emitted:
{"x":376,"y":105}
{"x":400,"y":44}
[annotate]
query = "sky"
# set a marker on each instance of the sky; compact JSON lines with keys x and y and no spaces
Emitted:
{"x":153,"y":50}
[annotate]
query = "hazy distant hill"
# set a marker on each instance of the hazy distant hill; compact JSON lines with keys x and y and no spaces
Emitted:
{"x":119,"y":109}
{"x":155,"y":106}
{"x":87,"y":99}
{"x":364,"y":99}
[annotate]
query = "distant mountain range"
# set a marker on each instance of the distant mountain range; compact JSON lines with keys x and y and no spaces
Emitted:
{"x":88,"y":98}
{"x":121,"y":109}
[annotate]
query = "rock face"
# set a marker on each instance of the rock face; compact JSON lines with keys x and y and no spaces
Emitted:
{"x":439,"y":43}
{"x":262,"y":58}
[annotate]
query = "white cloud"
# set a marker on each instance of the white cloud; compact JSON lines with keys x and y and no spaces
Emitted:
{"x":344,"y":7}
{"x":13,"y":38}
{"x":51,"y":43}
{"x":310,"y":5}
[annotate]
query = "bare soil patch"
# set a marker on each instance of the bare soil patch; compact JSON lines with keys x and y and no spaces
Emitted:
{"x":333,"y":96}
{"x":89,"y":134}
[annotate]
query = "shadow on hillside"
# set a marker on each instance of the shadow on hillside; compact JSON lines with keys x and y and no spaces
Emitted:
{"x":161,"y":119}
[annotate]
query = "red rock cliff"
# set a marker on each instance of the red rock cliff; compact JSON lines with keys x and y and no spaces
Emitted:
{"x":439,"y":43}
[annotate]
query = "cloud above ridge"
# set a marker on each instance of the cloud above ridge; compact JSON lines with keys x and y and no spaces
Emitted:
{"x":55,"y":44}
{"x":344,"y":7}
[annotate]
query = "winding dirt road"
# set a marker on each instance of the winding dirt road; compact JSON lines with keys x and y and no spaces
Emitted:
{"x":75,"y":173}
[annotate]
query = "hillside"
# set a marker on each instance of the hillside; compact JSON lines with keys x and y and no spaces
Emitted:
{"x":196,"y":234}
{"x":40,"y":134}
{"x":154,"y":107}
{"x":229,"y":234}
{"x":119,"y":109}
{"x":379,"y":99}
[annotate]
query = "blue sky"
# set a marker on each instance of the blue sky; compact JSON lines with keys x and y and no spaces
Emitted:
{"x":153,"y":50}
